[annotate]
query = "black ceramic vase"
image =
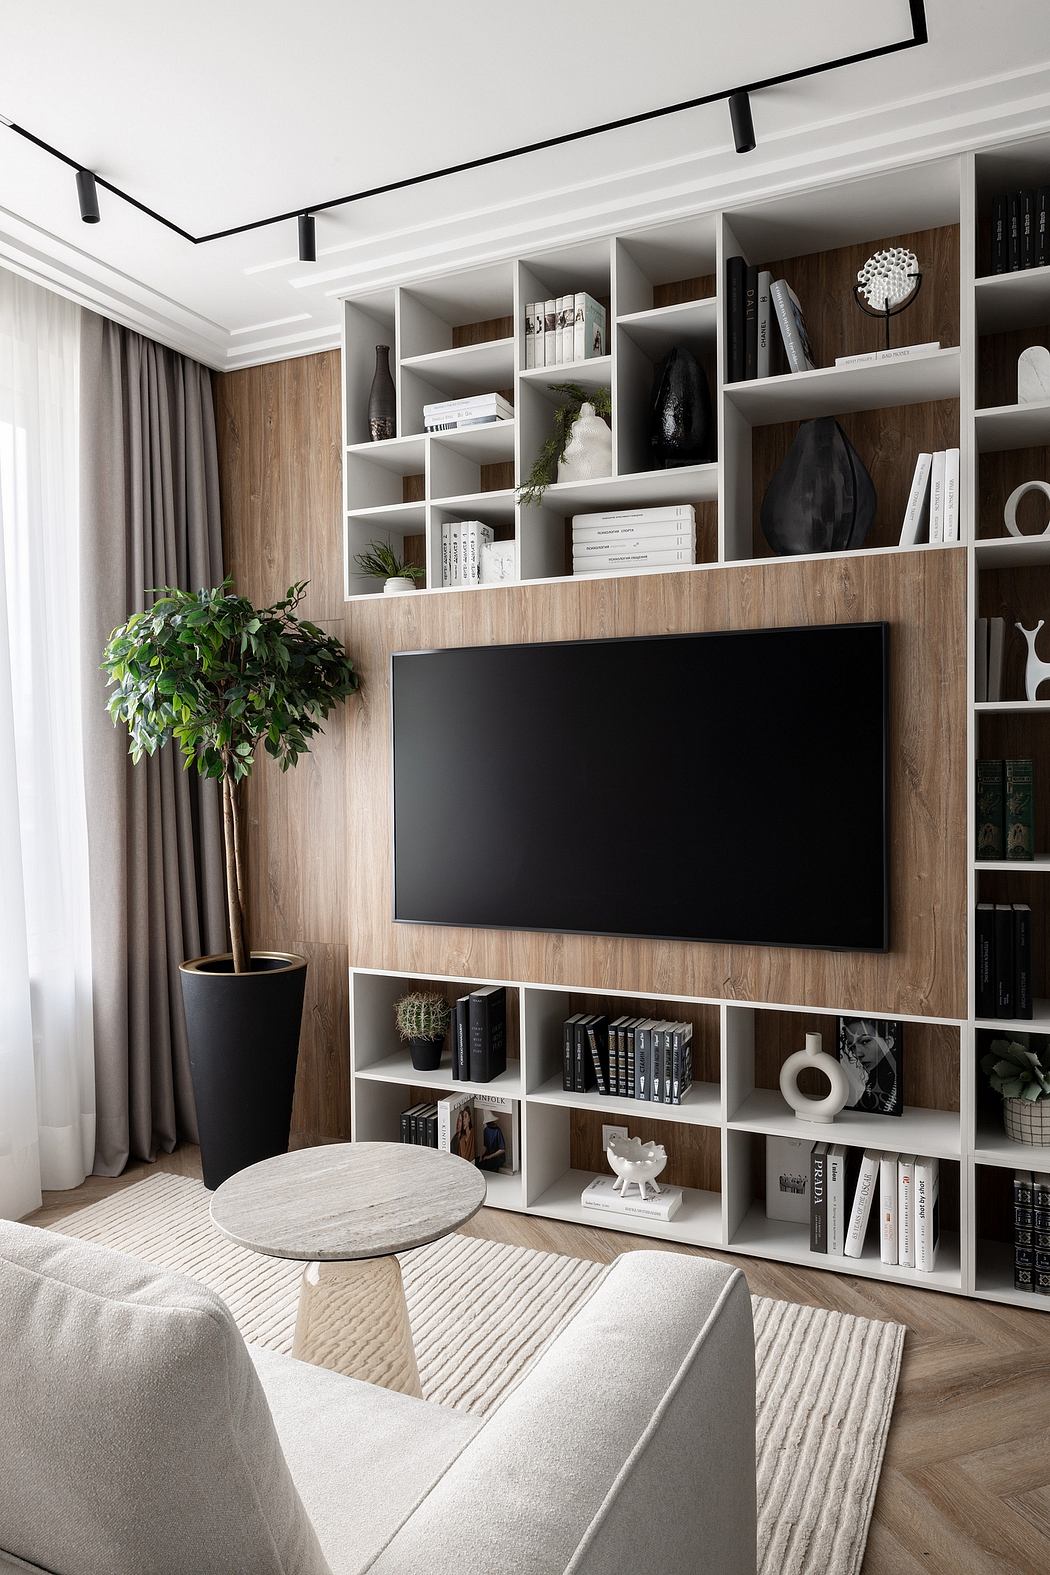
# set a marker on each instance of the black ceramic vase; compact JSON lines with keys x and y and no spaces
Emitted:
{"x":382,"y":402}
{"x":681,"y":424}
{"x":822,"y":498}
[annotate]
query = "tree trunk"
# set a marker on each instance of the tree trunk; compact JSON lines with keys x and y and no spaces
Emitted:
{"x":233,"y":901}
{"x":238,"y":791}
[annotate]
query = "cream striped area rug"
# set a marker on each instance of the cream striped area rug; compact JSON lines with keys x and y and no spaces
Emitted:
{"x":826,"y":1381}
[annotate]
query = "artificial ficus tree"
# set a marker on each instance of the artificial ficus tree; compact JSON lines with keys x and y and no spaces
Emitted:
{"x":219,"y":676}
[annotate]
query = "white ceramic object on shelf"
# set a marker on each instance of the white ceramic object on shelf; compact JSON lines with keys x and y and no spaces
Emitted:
{"x":588,"y":453}
{"x":816,"y":1058}
{"x":396,"y":584}
{"x":497,"y":563}
{"x":636,"y":1164}
{"x":1033,"y":375}
{"x":1012,"y":502}
{"x":1036,"y":670}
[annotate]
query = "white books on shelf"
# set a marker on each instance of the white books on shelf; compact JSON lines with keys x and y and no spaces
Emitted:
{"x":951,"y":494}
{"x":980,"y":665}
{"x":996,"y":646}
{"x":915,"y":515}
{"x":599,"y":1195}
{"x":867,"y":1183}
{"x":446,"y":553}
{"x":937,"y":497}
{"x":787,"y":1179}
{"x":589,"y":328}
{"x":650,"y":531}
{"x":530,"y":336}
{"x":765,"y":324}
{"x":466,"y":539}
{"x":792,"y":327}
{"x":676,"y":514}
{"x":906,"y":1210}
{"x":537,"y":331}
{"x":678,"y":540}
{"x":927,"y":1213}
{"x":837,"y":1201}
{"x":550,"y":331}
{"x":640,"y":559}
{"x":888,"y":1208}
{"x":902,"y":353}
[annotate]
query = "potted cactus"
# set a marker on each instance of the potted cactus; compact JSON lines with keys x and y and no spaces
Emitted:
{"x":1022,"y":1078}
{"x":423,"y":1018}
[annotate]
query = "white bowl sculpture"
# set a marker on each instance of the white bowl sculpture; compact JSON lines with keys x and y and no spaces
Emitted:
{"x":636,"y":1164}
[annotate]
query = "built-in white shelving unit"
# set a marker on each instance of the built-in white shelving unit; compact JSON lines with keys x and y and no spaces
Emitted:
{"x":462,"y":332}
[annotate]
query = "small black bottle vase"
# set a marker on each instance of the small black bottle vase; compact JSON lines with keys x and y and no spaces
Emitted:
{"x":382,"y":400}
{"x":681,"y":424}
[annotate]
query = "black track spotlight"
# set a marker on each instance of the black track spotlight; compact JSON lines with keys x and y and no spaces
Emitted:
{"x":743,"y":125}
{"x":307,"y":239}
{"x":87,"y":196}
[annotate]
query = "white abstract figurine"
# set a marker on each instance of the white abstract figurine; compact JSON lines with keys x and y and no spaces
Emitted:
{"x":813,"y":1055}
{"x":636,"y":1164}
{"x":1036,"y":670}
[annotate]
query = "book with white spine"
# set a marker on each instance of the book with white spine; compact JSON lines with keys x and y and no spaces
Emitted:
{"x":863,"y":1197}
{"x":763,"y":358}
{"x":537,"y":331}
{"x":888,"y":1246}
{"x":792,"y":327}
{"x":951,"y":494}
{"x":927,"y":1212}
{"x":550,"y":331}
{"x":635,"y":560}
{"x":530,"y":336}
{"x":836,"y":1190}
{"x":589,"y":328}
{"x":599,"y":1195}
{"x":446,"y":554}
{"x":565,"y":328}
{"x":475,"y":536}
{"x":590,"y":549}
{"x":906,"y":1211}
{"x":640,"y":517}
{"x":915,"y":514}
{"x":937,"y":497}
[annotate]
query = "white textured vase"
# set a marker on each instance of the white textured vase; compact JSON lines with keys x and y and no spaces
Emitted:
{"x":396,"y":584}
{"x":814,"y":1056}
{"x":588,"y":453}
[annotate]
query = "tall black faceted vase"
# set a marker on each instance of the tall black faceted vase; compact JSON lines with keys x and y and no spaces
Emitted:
{"x":822,"y":498}
{"x":681,"y":423}
{"x":382,"y":399}
{"x":243,"y":1032}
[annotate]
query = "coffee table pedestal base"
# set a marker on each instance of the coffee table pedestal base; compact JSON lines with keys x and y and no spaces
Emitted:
{"x":353,"y":1318}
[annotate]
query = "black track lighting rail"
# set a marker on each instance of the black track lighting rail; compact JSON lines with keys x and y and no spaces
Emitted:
{"x":919,"y":36}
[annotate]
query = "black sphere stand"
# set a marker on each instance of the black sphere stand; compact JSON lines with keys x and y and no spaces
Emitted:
{"x":887,"y":311}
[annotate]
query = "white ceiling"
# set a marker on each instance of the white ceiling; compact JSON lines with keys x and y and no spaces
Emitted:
{"x":216,"y":115}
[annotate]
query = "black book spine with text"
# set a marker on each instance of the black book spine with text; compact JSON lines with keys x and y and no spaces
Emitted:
{"x":818,"y":1198}
{"x":580,"y":1058}
{"x":999,"y":234}
{"x":627,"y":1041}
{"x":751,"y":322}
{"x":656,"y":1064}
{"x":1027,"y":229}
{"x":462,"y":1031}
{"x":1004,"y":960}
{"x":642,"y":1038}
{"x":1023,"y":1003}
{"x":736,"y":275}
{"x":1013,"y":231}
{"x":1042,"y":220}
{"x":596,"y":1061}
{"x":668,"y":1094}
{"x":984,"y":928}
{"x":488,"y":1033}
{"x":568,"y":1053}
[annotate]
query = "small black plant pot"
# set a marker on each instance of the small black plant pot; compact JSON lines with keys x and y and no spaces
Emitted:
{"x":426,"y":1053}
{"x":243,"y":1032}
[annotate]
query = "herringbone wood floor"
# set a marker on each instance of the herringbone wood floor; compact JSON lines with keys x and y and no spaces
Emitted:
{"x":965,"y":1488}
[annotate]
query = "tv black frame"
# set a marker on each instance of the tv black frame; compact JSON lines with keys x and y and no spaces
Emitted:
{"x":687,"y":634}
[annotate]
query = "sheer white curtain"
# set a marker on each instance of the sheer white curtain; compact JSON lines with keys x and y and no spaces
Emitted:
{"x":47,"y":1120}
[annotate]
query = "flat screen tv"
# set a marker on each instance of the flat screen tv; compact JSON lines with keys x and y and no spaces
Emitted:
{"x":705,"y":787}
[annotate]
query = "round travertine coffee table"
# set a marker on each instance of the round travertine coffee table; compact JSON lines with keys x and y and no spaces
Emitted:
{"x":348,"y":1208}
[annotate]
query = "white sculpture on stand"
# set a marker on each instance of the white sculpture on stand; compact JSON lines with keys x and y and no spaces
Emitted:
{"x":834,"y":1100}
{"x":636,"y":1164}
{"x":1036,"y":670}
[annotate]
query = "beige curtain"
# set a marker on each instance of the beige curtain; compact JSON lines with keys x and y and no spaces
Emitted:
{"x":149,"y":517}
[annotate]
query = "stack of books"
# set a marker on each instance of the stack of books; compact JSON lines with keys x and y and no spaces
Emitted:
{"x":479,"y":1035}
{"x":462,"y":542}
{"x":420,"y":1125}
{"x":485,"y":1131}
{"x":1019,"y":230}
{"x":1032,"y":1232}
{"x":838,"y":1191}
{"x":1006,"y":809}
{"x":988,"y":659}
{"x":629,"y":1058}
{"x":564,"y":329}
{"x":622,"y":539}
{"x":932,"y":513}
{"x":600,"y":1196}
{"x":1004,"y":960}
{"x":470,"y":410}
{"x":759,"y":312}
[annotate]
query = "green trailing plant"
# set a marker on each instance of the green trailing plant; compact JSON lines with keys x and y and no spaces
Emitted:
{"x":545,"y":468}
{"x":1016,"y":1072}
{"x":422,"y":1015}
{"x":381,"y":562}
{"x":218,"y":676}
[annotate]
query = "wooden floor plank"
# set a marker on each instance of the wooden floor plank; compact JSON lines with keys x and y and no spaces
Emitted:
{"x":965,"y":1487}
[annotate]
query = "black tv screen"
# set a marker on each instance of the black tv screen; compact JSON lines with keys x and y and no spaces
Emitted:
{"x":709,"y":787}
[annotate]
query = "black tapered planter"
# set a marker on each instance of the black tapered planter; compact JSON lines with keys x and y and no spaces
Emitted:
{"x":426,"y":1053}
{"x":243,"y":1032}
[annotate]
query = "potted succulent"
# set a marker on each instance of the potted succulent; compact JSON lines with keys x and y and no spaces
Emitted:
{"x":219,"y":677}
{"x":423,"y":1018}
{"x":545,"y":469}
{"x":381,"y":562}
{"x":1022,"y":1078}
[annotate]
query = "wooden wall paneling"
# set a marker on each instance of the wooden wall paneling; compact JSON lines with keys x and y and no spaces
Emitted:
{"x":699,"y":288}
{"x":921,"y":594}
{"x":931,"y":1057}
{"x":279,"y":436}
{"x":997,"y":363}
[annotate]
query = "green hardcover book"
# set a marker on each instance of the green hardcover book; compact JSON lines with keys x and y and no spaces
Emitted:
{"x":990,"y":823}
{"x":1019,"y":813}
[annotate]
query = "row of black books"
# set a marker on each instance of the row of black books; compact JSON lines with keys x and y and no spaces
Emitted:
{"x":761,"y":314}
{"x":482,"y":1130}
{"x":1006,"y":809}
{"x":1004,"y":960}
{"x":1019,"y":230}
{"x":479,"y":1035}
{"x":628,"y":1058}
{"x":1031,"y":1232}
